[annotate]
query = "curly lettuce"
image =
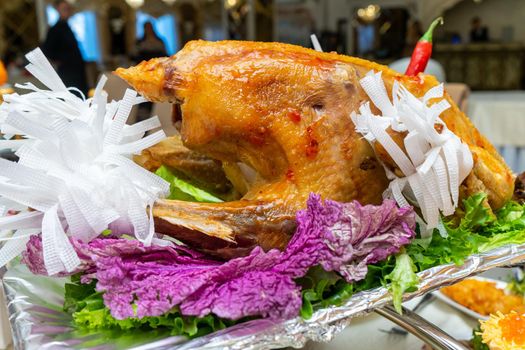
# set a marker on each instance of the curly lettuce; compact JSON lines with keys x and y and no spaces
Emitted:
{"x":402,"y":279}
{"x":478,"y":231}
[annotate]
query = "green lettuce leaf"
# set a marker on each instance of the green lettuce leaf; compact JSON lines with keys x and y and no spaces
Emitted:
{"x":79,"y":296}
{"x":182,"y":190}
{"x":402,"y":279}
{"x":178,"y":325}
{"x":89,"y":313}
{"x":478,"y":231}
{"x":317,"y":286}
{"x":476,"y":214}
{"x":320,"y":290}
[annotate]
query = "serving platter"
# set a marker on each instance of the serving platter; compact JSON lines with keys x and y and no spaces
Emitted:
{"x":38,"y":322}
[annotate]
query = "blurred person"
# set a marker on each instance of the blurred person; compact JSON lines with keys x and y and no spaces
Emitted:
{"x":150,"y":45}
{"x":61,"y":47}
{"x":366,"y":38}
{"x":478,"y":33}
{"x":342,"y":25}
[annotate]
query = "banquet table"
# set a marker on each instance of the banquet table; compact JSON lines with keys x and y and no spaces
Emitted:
{"x":500,"y":116}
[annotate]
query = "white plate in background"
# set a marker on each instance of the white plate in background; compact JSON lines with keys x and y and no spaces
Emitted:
{"x":466,"y":310}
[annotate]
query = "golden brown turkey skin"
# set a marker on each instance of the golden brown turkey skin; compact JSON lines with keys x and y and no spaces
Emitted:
{"x":284,"y":110}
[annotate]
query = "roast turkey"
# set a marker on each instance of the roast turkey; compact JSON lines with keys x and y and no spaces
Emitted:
{"x":284,"y":110}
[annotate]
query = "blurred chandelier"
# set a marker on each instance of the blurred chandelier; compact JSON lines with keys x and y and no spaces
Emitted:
{"x":369,"y":13}
{"x":135,"y":3}
{"x":169,"y":2}
{"x":229,"y":4}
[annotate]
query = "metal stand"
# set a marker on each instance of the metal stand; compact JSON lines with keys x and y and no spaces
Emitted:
{"x":421,"y":328}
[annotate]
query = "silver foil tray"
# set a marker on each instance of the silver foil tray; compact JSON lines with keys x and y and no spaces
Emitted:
{"x":38,"y":322}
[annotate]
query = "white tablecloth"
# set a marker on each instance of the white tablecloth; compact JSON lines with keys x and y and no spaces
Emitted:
{"x":500,"y":116}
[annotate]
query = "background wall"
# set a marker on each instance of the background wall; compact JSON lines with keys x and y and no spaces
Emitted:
{"x":495,"y":14}
{"x":328,"y":12}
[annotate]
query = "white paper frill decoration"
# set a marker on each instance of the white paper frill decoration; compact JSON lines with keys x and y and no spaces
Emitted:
{"x":75,"y":169}
{"x":435,"y":163}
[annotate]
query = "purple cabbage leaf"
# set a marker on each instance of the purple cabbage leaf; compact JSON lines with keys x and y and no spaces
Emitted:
{"x":140,"y":281}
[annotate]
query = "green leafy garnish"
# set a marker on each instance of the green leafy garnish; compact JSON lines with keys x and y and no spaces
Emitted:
{"x":177,"y":324}
{"x":336,"y":291}
{"x":476,"y":213}
{"x":106,"y":233}
{"x":89,"y":313}
{"x":80,"y":296}
{"x":317,"y":285}
{"x":182,"y":190}
{"x":477,"y":230}
{"x":477,"y":341}
{"x":402,"y":279}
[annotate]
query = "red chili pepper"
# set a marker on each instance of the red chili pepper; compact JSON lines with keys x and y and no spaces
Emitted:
{"x":422,"y":51}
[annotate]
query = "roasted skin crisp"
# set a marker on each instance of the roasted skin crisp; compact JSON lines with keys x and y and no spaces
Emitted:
{"x":284,"y":111}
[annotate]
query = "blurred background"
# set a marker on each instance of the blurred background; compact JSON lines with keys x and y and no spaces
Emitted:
{"x":478,"y":53}
{"x":108,"y":31}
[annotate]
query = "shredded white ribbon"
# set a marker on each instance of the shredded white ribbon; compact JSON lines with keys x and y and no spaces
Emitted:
{"x":74,"y":168}
{"x":435,"y":163}
{"x":315,"y":43}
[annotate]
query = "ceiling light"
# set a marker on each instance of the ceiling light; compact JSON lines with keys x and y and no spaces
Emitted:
{"x":369,"y":13}
{"x":230,"y":3}
{"x":135,"y":3}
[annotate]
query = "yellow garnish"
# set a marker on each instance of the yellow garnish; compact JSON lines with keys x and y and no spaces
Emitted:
{"x":504,"y":332}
